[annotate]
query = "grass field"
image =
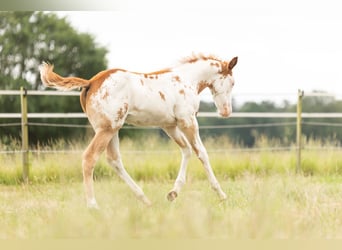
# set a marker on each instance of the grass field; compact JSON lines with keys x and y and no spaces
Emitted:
{"x":266,"y":198}
{"x":258,"y":207}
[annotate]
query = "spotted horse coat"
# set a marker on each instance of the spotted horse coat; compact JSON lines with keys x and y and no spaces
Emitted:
{"x":168,"y":99}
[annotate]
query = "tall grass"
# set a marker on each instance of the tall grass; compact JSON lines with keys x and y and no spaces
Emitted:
{"x":266,"y":198}
{"x":152,"y":158}
{"x":258,"y":207}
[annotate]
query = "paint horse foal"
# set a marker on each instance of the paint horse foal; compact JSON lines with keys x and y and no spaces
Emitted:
{"x":168,"y":99}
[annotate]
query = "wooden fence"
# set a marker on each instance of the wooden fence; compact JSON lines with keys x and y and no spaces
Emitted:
{"x":24,"y":116}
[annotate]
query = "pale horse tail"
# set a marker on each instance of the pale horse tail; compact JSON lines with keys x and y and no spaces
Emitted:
{"x":53,"y":80}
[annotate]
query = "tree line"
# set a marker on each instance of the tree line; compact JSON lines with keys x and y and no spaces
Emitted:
{"x":28,"y":38}
{"x":280,"y":130}
{"x":283,"y":130}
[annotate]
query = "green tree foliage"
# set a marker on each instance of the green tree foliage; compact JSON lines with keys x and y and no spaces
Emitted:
{"x":249,"y":131}
{"x":283,"y":130}
{"x":27,"y":39}
{"x":324,"y":131}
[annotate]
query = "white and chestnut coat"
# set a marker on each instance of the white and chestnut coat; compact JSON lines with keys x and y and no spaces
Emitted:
{"x":168,"y":98}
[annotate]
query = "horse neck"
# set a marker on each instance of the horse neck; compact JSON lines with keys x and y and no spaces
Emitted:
{"x":198,"y":72}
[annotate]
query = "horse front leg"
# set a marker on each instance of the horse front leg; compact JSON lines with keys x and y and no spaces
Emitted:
{"x":191,"y":132}
{"x":90,"y":156}
{"x":114,"y":159}
{"x":175,"y":134}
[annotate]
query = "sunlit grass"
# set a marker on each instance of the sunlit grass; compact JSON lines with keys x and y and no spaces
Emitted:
{"x":155,"y":159}
{"x":266,"y":197}
{"x":287,"y":206}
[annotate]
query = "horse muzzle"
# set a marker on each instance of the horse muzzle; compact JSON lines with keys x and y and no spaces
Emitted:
{"x":226,"y":111}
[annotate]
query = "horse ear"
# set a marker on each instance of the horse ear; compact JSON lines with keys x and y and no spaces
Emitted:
{"x":232,"y":63}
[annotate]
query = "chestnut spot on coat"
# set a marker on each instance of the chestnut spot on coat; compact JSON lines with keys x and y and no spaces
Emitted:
{"x":155,"y":74}
{"x":105,"y":94}
{"x":225,"y":70}
{"x":159,"y":72}
{"x":216,"y":64}
{"x":162,"y":96}
{"x":153,"y":77}
{"x":202,"y":85}
{"x":121,"y":112}
{"x":176,"y":79}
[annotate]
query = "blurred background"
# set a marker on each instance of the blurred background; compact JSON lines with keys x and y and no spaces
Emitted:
{"x":281,"y":48}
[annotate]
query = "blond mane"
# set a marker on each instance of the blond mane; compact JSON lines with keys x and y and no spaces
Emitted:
{"x":196,"y":57}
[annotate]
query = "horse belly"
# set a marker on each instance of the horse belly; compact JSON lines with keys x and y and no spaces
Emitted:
{"x":149,"y":117}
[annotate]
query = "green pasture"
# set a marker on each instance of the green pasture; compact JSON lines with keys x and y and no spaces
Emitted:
{"x":150,"y":158}
{"x":266,"y":197}
{"x":258,"y":207}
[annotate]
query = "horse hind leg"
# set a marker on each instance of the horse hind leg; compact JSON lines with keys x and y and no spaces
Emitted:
{"x":114,"y":159}
{"x":175,"y":134}
{"x":90,"y":156}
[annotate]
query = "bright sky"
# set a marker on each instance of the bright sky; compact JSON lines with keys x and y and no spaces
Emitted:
{"x":281,"y":47}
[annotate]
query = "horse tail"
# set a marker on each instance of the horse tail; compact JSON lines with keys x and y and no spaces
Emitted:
{"x":53,"y":80}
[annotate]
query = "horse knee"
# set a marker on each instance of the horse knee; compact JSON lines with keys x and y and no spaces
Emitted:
{"x":88,"y":163}
{"x":187,"y":152}
{"x":87,"y":169}
{"x":115,"y":163}
{"x":202,"y":155}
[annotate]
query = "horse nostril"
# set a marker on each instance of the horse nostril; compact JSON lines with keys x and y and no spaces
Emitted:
{"x":226,"y":111}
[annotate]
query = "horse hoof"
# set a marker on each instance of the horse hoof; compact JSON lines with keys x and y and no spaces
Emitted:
{"x":147,"y":202}
{"x":172,"y":195}
{"x":223,"y":197}
{"x":93,"y":207}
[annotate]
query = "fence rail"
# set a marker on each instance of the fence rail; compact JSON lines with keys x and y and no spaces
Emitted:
{"x":200,"y":114}
{"x":24,"y":116}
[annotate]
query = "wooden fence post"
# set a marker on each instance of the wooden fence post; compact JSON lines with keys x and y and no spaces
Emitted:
{"x":299,"y":129}
{"x":24,"y":134}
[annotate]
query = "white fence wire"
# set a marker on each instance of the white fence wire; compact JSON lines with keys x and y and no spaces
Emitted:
{"x":200,"y":114}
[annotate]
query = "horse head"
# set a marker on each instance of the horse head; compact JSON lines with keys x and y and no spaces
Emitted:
{"x":222,"y":86}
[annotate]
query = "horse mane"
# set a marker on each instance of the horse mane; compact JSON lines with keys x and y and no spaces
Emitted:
{"x":200,"y":56}
{"x":225,"y":70}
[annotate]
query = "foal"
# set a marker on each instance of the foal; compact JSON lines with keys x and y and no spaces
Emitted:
{"x":168,"y":98}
